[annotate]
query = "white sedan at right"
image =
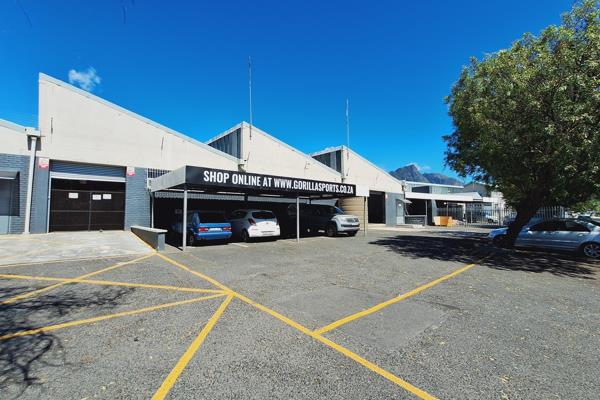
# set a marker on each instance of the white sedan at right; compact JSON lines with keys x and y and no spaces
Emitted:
{"x":251,"y":223}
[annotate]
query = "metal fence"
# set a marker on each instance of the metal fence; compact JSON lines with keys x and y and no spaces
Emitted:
{"x":415,"y":219}
{"x":474,"y":214}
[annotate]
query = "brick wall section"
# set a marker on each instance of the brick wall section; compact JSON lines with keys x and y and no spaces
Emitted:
{"x":137,"y":200}
{"x":39,"y":200}
{"x":20,"y":163}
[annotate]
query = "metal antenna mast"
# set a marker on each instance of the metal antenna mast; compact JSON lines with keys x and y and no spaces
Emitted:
{"x":347,"y":123}
{"x":250,"y":91}
{"x":347,"y":136}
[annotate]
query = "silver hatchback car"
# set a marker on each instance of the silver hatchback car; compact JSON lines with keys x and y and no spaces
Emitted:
{"x":557,"y":234}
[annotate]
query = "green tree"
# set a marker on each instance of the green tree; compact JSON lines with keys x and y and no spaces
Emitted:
{"x":527,"y":119}
{"x":589,"y":205}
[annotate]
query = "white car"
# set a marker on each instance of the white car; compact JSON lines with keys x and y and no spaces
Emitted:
{"x":249,"y":224}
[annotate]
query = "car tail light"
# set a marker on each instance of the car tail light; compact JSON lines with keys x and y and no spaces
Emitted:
{"x":251,"y":221}
{"x":227,"y":228}
{"x":202,"y":229}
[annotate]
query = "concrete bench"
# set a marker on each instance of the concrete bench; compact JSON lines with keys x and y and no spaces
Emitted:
{"x":154,"y":237}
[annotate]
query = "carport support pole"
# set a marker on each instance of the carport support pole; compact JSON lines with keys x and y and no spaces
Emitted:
{"x":297,"y":219}
{"x":184,"y":221}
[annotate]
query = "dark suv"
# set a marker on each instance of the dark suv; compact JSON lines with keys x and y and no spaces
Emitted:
{"x":325,"y":218}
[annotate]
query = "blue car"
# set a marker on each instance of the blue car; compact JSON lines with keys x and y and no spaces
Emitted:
{"x":205,"y":225}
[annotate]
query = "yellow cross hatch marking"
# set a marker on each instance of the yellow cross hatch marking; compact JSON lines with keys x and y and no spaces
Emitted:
{"x":48,"y":288}
{"x":105,"y":317}
{"x":168,"y":383}
{"x":379,"y":306}
{"x":109,"y":283}
{"x":353,"y":356}
{"x":69,"y":259}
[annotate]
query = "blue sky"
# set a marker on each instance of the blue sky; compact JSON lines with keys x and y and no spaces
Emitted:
{"x":184,"y":64}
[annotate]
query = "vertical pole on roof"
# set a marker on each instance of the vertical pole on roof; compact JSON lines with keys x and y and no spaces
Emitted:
{"x":184,"y":220}
{"x":297,"y":219}
{"x":250,"y":93}
{"x":365,"y":219}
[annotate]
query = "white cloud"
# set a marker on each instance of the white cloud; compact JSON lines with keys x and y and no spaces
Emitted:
{"x":421,"y":168}
{"x":87,"y":80}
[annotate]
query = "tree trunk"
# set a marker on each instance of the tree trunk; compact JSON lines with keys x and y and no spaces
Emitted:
{"x":525,"y":211}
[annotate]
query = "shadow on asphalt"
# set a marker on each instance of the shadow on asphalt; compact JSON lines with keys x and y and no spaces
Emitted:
{"x":19,"y":355}
{"x":468,"y":247}
{"x":175,"y":241}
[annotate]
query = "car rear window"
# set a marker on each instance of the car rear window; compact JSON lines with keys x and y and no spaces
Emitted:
{"x":547,"y":226}
{"x":211,"y":217}
{"x":573,"y":226}
{"x":263,"y":215}
{"x":329,"y":210}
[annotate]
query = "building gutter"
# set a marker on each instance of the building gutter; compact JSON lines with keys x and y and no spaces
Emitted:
{"x":32,"y":135}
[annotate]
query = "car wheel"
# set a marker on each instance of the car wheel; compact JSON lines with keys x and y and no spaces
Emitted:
{"x":191,"y":240}
{"x":499,"y":241}
{"x":591,"y":250}
{"x":331,"y":230}
{"x":245,"y":236}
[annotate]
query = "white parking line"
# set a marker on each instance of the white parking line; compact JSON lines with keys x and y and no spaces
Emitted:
{"x":239,"y":244}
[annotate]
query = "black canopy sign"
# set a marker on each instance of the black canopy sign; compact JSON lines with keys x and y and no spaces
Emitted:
{"x":222,"y":180}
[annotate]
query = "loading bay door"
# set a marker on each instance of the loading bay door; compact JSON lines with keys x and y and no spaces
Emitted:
{"x":83,"y":205}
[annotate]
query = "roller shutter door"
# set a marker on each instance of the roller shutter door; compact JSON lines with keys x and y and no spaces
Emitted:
{"x":86,"y":197}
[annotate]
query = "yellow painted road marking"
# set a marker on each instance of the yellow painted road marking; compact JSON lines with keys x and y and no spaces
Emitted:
{"x":48,"y":288}
{"x":379,"y":306}
{"x":168,"y":383}
{"x":365,"y":363}
{"x":66,"y":260}
{"x":105,"y":317}
{"x":191,"y":271}
{"x":144,"y":243}
{"x":109,"y":283}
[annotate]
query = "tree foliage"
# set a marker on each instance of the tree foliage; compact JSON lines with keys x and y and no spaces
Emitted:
{"x":589,"y":205}
{"x":527,"y":119}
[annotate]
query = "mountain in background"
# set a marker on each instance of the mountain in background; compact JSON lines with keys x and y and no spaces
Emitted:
{"x":409,"y":173}
{"x":412,"y":173}
{"x":436,"y":177}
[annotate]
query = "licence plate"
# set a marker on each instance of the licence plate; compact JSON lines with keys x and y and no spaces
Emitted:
{"x":214,"y":229}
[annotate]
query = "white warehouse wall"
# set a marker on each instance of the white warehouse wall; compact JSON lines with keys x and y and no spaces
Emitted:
{"x":78,"y":126}
{"x":13,"y":139}
{"x":264,"y":154}
{"x":360,"y":171}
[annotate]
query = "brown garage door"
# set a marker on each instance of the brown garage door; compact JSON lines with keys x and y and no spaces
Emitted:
{"x":86,"y":205}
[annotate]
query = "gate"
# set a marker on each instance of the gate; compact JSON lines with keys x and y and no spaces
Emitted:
{"x":87,"y":210}
{"x":491,"y":215}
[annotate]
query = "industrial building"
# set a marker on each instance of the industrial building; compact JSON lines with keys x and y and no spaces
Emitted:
{"x":91,"y":165}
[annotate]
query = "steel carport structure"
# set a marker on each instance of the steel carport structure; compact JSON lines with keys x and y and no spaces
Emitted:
{"x":209,"y":180}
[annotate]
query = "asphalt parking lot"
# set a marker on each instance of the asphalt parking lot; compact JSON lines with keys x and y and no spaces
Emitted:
{"x":392,"y":315}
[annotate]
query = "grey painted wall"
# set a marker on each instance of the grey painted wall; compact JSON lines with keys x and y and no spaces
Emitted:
{"x":137,"y":200}
{"x":39,"y":200}
{"x":230,"y":144}
{"x":391,"y":208}
{"x":20,"y":163}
